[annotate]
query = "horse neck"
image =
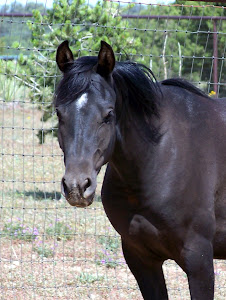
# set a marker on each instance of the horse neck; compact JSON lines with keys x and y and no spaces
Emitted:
{"x":132,"y":151}
{"x":131,"y":154}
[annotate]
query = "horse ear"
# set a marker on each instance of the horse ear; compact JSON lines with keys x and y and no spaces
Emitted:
{"x":106,"y":60}
{"x":64,"y":56}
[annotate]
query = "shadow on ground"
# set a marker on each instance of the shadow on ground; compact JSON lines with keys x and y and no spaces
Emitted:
{"x":38,"y":195}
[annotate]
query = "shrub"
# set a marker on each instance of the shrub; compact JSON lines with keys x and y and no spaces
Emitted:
{"x":84,"y":27}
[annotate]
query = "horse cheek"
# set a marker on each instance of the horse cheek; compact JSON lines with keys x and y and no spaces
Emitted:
{"x":105,"y":138}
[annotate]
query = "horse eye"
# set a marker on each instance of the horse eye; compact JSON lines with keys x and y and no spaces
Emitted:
{"x":109,"y":117}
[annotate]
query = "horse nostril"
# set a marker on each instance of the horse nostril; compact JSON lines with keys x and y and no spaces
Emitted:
{"x":69,"y":186}
{"x":64,"y":189}
{"x":64,"y":184}
{"x":86,"y":184}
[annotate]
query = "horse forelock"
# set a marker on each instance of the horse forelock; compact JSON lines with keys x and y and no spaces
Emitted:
{"x":76,"y":81}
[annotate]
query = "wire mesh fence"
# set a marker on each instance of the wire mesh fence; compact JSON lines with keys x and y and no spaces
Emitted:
{"x":47,"y":248}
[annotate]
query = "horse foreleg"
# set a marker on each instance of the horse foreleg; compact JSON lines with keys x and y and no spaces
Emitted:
{"x":149,"y":276}
{"x":198,"y":265}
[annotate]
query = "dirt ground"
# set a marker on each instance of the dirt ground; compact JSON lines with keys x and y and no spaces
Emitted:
{"x":49,"y":250}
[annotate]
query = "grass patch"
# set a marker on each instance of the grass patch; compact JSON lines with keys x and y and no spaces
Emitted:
{"x":44,"y":251}
{"x":111,"y":246}
{"x":11,"y":90}
{"x":110,"y":243}
{"x":87,"y":278}
{"x":60,"y":231}
{"x":36,"y":195}
{"x":20,"y":232}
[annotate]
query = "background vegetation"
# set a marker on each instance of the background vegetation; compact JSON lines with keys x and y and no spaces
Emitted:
{"x":171,"y":48}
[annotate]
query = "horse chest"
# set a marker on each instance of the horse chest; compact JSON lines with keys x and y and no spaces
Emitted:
{"x":136,"y":229}
{"x":146,"y":238}
{"x":142,"y":221}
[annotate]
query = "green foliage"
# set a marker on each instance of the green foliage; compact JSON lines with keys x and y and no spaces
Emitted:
{"x":18,"y":231}
{"x":10,"y":89}
{"x":108,"y":255}
{"x":2,"y":45}
{"x":84,"y":27}
{"x":12,"y":30}
{"x":44,"y":251}
{"x":15,"y":32}
{"x":13,"y":86}
{"x":171,"y":48}
{"x":12,"y":83}
{"x":188,"y":43}
{"x":16,"y":7}
{"x":110,"y":243}
{"x":60,"y":230}
{"x":198,"y":42}
{"x":89,"y":278}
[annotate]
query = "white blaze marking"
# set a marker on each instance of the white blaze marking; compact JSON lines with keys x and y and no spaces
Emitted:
{"x":81,"y":102}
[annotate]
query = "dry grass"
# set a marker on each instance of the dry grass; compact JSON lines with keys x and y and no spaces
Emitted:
{"x":49,"y":249}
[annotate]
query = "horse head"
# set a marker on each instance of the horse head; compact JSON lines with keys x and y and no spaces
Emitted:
{"x":85,"y":106}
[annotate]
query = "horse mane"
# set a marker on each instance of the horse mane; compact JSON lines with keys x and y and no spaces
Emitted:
{"x":141,"y":95}
{"x":140,"y":92}
{"x":184,"y":84}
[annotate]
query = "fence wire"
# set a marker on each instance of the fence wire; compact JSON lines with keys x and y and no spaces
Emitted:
{"x":47,"y":248}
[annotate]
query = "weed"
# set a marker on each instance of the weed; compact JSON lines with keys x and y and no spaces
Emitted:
{"x":107,"y":256}
{"x":44,"y":251}
{"x":89,"y":278}
{"x":20,"y":232}
{"x":110,"y":243}
{"x":11,"y":90}
{"x":106,"y":259}
{"x":59,"y":230}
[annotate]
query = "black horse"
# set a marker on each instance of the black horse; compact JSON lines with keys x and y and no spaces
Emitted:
{"x":164,"y":189}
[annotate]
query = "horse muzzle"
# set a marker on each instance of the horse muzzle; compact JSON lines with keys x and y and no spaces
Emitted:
{"x":79,"y":195}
